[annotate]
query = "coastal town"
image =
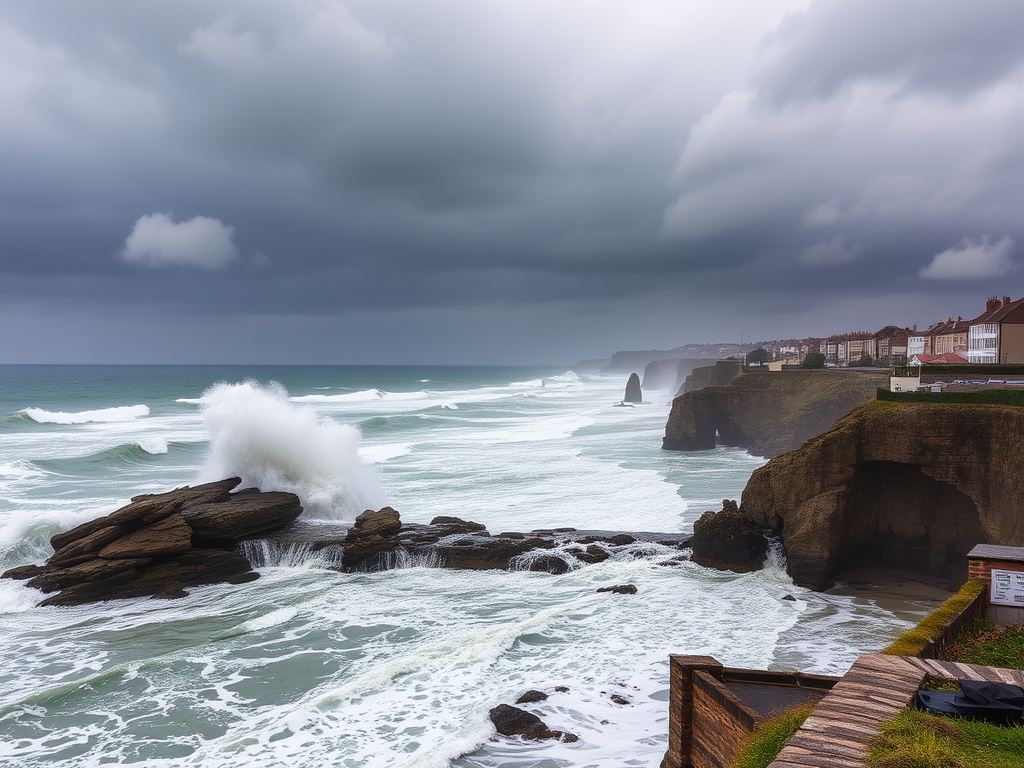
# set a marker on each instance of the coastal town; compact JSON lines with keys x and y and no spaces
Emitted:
{"x":996,"y":335}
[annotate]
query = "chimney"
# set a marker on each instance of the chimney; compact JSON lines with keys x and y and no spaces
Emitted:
{"x":992,"y":303}
{"x":959,"y":318}
{"x":1006,"y":300}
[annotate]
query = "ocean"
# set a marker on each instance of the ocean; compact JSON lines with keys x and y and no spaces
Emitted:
{"x":310,"y":667}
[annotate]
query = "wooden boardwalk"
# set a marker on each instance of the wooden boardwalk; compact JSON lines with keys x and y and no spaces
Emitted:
{"x":873,"y":692}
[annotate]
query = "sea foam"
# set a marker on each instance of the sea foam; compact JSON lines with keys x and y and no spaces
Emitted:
{"x":258,"y":435}
{"x":103,"y":415}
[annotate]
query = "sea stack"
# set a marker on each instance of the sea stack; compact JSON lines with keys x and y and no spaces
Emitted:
{"x":633,"y":393}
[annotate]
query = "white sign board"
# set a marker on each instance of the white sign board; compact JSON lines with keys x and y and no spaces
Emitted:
{"x":1007,"y":588}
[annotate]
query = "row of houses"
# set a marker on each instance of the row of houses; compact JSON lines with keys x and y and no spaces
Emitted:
{"x":994,"y":336}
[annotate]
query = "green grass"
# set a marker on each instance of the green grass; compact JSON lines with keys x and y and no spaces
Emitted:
{"x":919,"y":740}
{"x":915,"y":640}
{"x":983,"y":644}
{"x":764,"y":744}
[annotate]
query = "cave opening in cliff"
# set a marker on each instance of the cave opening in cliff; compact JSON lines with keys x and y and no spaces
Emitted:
{"x":898,"y":516}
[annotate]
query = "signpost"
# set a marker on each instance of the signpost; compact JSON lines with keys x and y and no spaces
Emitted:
{"x":1007,"y":588}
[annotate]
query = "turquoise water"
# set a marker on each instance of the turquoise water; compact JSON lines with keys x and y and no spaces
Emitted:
{"x":307,"y":666}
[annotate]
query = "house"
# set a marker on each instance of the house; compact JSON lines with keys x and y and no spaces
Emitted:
{"x":948,"y":336}
{"x":997,"y":335}
{"x":892,"y":342}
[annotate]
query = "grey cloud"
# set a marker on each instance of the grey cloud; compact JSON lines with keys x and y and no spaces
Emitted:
{"x":627,"y":164}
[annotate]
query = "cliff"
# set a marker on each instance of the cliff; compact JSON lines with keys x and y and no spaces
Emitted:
{"x":717,"y":375}
{"x":766,"y":413}
{"x":907,"y":485}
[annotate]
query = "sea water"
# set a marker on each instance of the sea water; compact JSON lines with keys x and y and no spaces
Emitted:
{"x":307,"y":666}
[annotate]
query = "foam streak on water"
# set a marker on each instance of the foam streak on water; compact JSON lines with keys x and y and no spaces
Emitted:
{"x":310,"y":666}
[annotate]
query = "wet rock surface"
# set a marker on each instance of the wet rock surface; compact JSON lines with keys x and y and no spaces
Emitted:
{"x":379,"y":541}
{"x":512,"y":721}
{"x":728,"y":540}
{"x":159,"y":544}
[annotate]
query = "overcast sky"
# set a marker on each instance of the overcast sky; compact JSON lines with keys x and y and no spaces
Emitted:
{"x":488,"y":181}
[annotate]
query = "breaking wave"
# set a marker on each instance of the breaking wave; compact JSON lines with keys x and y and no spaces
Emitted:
{"x":271,"y":443}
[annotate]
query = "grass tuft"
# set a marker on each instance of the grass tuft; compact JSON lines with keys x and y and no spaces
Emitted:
{"x":767,"y":740}
{"x":984,"y":644}
{"x":914,"y":641}
{"x":920,"y":740}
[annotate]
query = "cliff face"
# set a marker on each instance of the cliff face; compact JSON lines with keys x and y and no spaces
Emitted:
{"x":766,"y":413}
{"x":913,"y":486}
{"x":667,"y":374}
{"x":717,"y":375}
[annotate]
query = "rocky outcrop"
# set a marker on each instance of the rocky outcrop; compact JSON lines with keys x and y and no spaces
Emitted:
{"x":766,"y":413}
{"x":728,"y":540}
{"x":159,"y":544}
{"x":380,"y":541}
{"x":906,"y":485}
{"x":633,"y":393}
{"x":717,"y":375}
{"x":512,"y":721}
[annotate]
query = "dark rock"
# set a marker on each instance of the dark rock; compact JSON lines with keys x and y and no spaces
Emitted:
{"x":592,"y":554}
{"x":633,"y":393}
{"x":619,"y":699}
{"x":552,"y":564}
{"x":170,"y":536}
{"x":159,"y":544}
{"x":24,"y":572}
{"x":239,"y":517}
{"x":728,"y":540}
{"x":458,"y":524}
{"x":621,"y":539}
{"x":531,"y":697}
{"x":374,"y":533}
{"x":561,"y":689}
{"x":96,"y":569}
{"x":620,"y":589}
{"x":89,"y":545}
{"x":512,"y":721}
{"x":789,"y":597}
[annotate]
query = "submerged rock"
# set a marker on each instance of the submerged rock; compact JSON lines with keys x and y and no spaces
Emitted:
{"x":619,"y":589}
{"x":512,"y":721}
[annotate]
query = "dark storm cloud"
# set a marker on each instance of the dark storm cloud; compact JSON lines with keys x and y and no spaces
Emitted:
{"x":440,"y":166}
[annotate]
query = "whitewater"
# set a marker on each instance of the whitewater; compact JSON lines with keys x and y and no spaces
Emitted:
{"x":307,"y":666}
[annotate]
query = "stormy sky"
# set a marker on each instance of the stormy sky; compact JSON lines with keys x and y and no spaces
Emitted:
{"x":498,"y":181}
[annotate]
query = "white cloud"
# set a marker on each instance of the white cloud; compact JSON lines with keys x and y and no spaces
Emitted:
{"x":157,"y":240}
{"x":972,"y":260}
{"x":831,"y":252}
{"x":825,"y":215}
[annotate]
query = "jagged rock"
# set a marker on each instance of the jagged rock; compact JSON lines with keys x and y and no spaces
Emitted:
{"x":373,"y":533}
{"x":633,"y":393}
{"x":619,"y":589}
{"x":512,"y":721}
{"x":87,"y":547}
{"x":728,"y":540}
{"x":717,"y":375}
{"x":159,"y":544}
{"x":619,"y":699}
{"x":169,"y":536}
{"x":531,"y":697}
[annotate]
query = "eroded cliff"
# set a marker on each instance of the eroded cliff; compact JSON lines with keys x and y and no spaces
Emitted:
{"x":766,"y":413}
{"x":912,"y":486}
